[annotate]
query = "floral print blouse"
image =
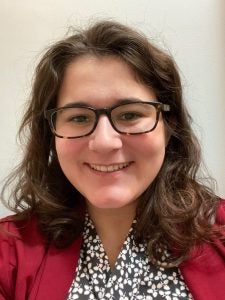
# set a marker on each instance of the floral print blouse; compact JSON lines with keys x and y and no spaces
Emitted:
{"x":133,"y":276}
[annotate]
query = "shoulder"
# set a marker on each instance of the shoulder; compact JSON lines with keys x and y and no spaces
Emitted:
{"x":27,"y":263}
{"x":20,"y":243}
{"x":21,"y":235}
{"x":204,"y":270}
{"x":25,"y":233}
{"x":16,"y":227}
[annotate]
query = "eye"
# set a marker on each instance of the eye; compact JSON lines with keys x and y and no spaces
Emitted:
{"x":130,"y":116}
{"x":79,"y":119}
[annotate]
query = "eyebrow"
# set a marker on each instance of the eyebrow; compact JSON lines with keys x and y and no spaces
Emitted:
{"x":118,"y":102}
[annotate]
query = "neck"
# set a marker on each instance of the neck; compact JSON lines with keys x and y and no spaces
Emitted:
{"x":112,"y":226}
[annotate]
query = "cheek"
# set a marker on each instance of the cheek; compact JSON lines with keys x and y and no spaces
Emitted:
{"x":152,"y":144}
{"x":67,"y":150}
{"x":150,"y":153}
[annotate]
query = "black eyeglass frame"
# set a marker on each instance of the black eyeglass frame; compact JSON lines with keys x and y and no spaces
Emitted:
{"x":48,"y":114}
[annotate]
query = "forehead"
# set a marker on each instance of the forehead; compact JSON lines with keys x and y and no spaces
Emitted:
{"x":93,"y":68}
{"x":93,"y":79}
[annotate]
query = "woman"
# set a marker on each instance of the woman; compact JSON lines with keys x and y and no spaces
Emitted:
{"x":107,"y":200}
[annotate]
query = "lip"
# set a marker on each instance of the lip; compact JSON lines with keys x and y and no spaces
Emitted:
{"x":109,"y":168}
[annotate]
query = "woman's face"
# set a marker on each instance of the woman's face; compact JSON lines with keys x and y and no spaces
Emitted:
{"x":109,"y":169}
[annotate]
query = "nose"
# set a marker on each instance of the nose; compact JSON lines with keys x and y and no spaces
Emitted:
{"x":104,"y":139}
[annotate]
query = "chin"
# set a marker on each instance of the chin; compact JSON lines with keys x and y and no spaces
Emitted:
{"x":106,"y":205}
{"x":110,"y":203}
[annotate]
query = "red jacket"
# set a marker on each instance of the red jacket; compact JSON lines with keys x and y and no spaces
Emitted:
{"x":30,"y":271}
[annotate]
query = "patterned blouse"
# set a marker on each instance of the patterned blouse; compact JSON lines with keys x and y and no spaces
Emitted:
{"x":133,"y":276}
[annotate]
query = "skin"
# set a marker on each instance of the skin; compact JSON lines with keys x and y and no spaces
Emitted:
{"x":111,"y":197}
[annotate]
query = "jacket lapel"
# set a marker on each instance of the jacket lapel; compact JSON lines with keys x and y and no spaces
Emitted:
{"x":56,"y":273}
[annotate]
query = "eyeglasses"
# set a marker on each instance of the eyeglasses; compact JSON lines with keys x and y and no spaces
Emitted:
{"x":132,"y":118}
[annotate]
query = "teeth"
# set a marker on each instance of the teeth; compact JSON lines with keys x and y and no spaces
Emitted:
{"x":109,"y":168}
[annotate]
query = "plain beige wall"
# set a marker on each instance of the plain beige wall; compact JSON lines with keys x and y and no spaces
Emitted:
{"x":193,"y":31}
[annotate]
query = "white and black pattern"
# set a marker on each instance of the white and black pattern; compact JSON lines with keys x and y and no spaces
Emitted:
{"x":133,"y":277}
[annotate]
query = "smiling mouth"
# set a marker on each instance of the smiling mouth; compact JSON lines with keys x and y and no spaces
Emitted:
{"x":109,"y":168}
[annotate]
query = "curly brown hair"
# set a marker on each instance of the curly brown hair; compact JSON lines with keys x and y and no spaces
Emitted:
{"x":176,"y":210}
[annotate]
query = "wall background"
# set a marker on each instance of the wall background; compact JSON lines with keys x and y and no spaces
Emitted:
{"x":193,"y":31}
